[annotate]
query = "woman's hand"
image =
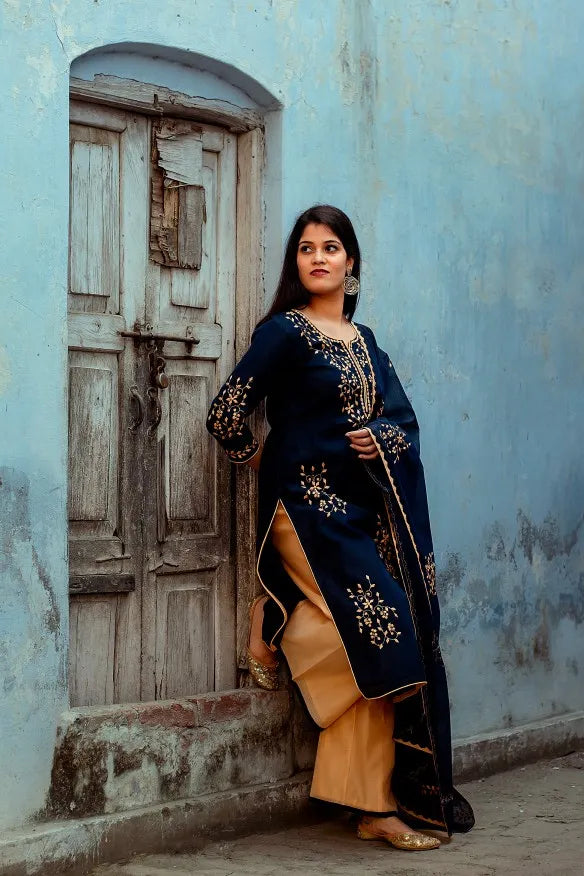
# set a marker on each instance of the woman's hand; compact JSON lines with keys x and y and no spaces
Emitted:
{"x":363,"y":443}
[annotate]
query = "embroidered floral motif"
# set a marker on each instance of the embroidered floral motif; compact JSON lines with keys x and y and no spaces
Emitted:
{"x":357,"y":382}
{"x":228,"y":411}
{"x":318,"y":491}
{"x":245,"y":453}
{"x":385,"y":547}
{"x":430,"y":574}
{"x":373,"y":615}
{"x":395,"y":440}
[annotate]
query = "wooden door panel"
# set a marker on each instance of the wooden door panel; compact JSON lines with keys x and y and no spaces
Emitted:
{"x":93,"y":444}
{"x":101,"y":659}
{"x":92,"y":623}
{"x":188,"y":449}
{"x":94,"y":265}
{"x":185,"y":641}
{"x":190,"y":454}
{"x":108,"y":218}
{"x":193,"y":484}
{"x":197,"y":289}
{"x":96,"y":332}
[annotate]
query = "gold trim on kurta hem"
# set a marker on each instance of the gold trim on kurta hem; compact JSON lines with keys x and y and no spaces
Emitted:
{"x":268,"y":591}
{"x":380,"y":696}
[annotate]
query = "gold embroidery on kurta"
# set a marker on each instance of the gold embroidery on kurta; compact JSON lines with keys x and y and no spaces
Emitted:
{"x":242,"y":455}
{"x":318,"y":491}
{"x":395,"y":440}
{"x":229,"y":409}
{"x":363,"y":359}
{"x":351,"y":358}
{"x":430,"y":574}
{"x":373,"y":615}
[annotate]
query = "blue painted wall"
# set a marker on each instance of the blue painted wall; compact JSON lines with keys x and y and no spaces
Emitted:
{"x":451,"y":132}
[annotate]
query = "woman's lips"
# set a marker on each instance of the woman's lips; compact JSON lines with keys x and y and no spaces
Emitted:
{"x":318,"y":273}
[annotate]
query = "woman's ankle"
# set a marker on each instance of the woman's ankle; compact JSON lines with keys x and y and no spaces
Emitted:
{"x":258,"y":648}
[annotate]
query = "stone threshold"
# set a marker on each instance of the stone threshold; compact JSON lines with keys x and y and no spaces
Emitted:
{"x":119,"y":758}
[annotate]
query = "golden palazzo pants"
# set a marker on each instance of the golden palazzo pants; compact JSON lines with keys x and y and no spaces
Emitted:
{"x":355,"y":754}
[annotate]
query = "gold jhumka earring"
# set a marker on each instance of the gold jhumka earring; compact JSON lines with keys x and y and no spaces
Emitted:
{"x":351,"y":284}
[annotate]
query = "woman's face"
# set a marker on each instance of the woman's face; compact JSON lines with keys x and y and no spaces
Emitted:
{"x":322,"y":260}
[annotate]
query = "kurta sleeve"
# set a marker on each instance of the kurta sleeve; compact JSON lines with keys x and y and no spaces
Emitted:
{"x":253,"y":378}
{"x":396,"y":425}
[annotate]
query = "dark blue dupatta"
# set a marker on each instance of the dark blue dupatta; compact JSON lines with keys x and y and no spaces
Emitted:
{"x":423,"y":766}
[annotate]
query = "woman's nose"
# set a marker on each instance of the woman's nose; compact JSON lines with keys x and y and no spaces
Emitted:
{"x":318,"y":256}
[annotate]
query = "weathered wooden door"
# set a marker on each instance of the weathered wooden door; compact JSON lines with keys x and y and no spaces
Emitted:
{"x":152,"y":259}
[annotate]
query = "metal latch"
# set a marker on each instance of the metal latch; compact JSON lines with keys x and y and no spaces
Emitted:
{"x":154,"y":342}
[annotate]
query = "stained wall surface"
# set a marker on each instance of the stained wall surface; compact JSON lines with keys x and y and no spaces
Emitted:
{"x":451,"y":133}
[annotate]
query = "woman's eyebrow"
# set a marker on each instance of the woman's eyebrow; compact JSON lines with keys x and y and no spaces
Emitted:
{"x":332,"y":240}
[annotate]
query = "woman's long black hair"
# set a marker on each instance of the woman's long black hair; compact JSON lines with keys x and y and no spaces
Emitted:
{"x":290,"y":292}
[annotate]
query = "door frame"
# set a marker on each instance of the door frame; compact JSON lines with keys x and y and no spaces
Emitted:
{"x":248,"y":126}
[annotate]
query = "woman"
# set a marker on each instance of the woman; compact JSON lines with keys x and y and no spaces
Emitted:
{"x":344,"y":547}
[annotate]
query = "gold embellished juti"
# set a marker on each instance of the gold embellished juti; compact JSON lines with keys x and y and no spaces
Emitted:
{"x":345,"y":555}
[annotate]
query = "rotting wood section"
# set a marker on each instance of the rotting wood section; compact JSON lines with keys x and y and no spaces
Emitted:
{"x":178,"y":210}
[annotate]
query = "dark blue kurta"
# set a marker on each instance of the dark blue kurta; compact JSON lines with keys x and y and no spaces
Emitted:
{"x":364,"y":529}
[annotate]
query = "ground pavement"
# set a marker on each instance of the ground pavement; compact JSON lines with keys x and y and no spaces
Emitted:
{"x":529,"y":821}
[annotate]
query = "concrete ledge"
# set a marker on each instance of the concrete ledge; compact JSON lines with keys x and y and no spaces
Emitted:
{"x":75,"y":846}
{"x":479,"y":756}
{"x":118,"y":758}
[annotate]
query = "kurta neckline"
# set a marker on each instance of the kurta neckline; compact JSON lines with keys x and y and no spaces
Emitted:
{"x":329,"y":337}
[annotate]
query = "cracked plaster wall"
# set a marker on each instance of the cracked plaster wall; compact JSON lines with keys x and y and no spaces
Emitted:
{"x":451,"y":132}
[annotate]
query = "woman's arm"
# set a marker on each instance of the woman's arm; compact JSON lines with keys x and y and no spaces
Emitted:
{"x":253,"y":377}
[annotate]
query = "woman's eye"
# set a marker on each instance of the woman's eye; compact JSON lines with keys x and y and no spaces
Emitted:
{"x":305,"y":248}
{"x":332,"y":247}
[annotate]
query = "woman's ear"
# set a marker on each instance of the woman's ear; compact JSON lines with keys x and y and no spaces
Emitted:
{"x":350,"y":263}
